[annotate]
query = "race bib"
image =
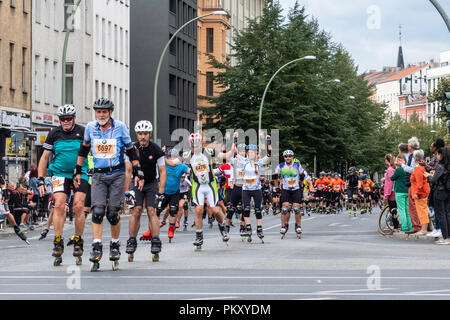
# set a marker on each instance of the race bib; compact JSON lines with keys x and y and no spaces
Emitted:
{"x":292,"y":182}
{"x":58,"y":184}
{"x":201,"y":168}
{"x":105,"y":148}
{"x":336,"y":188}
{"x":230,"y":183}
{"x":320,"y":186}
{"x":250,"y":181}
{"x":367,"y":189}
{"x":241,"y":174}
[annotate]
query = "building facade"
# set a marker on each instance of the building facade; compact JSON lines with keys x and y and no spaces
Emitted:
{"x":410,"y":105}
{"x":15,"y":87}
{"x":111,"y":71}
{"x":434,"y":76}
{"x":153,"y":23}
{"x":212,"y":37}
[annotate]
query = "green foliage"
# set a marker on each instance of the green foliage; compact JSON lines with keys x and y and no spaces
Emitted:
{"x":439,"y":96}
{"x":314,"y":114}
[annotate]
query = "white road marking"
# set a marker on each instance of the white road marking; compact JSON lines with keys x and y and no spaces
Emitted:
{"x":354,"y":290}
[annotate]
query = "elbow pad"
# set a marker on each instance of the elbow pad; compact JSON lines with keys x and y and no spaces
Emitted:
{"x":84,"y":151}
{"x":133,"y":154}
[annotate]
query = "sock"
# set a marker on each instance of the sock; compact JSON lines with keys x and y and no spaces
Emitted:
{"x":199,"y":231}
{"x":114,"y":240}
{"x":97,"y":240}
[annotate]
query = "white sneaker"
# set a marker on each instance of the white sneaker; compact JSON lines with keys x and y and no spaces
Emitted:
{"x":439,"y":234}
{"x":435,"y":233}
{"x":442,"y":241}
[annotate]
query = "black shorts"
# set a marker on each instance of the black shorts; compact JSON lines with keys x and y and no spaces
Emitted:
{"x":351,"y":192}
{"x":368,"y":195}
{"x":67,"y":186}
{"x":236,"y":196}
{"x":148,"y":194}
{"x":184,"y":195}
{"x":87,"y":200}
{"x":291,"y":196}
{"x":228,"y":193}
{"x":171,"y":200}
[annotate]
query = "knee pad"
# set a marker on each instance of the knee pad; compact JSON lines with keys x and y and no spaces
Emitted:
{"x":258,"y":213}
{"x":297,"y":210}
{"x":239,"y":210}
{"x":112,"y":214}
{"x":173,"y":211}
{"x":185,"y":205}
{"x":230,"y":211}
{"x":97,"y":214}
{"x":247,"y":212}
{"x":284,"y":211}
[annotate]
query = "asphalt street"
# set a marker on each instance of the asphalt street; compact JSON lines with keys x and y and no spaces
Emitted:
{"x":338,"y":257}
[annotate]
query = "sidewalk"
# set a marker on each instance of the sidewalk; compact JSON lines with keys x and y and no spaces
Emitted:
{"x":411,"y":237}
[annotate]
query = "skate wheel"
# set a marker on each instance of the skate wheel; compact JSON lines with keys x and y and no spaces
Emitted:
{"x":130,"y":257}
{"x":170,"y":240}
{"x":262,"y":240}
{"x":115,"y":265}
{"x":155,"y":257}
{"x":78,"y":261}
{"x":57,"y":262}
{"x":299,"y":236}
{"x":197,"y":248}
{"x":249,"y":239}
{"x":242,"y":238}
{"x":94,"y":266}
{"x":282,"y":236}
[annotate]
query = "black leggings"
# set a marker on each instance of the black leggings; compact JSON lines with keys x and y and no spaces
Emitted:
{"x":255,"y":194}
{"x":393,"y":205}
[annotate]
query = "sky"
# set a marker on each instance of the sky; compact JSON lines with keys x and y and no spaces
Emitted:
{"x":369,"y":29}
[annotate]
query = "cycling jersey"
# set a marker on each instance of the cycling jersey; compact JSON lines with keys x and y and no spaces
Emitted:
{"x":367,"y":185}
{"x":238,"y":164}
{"x":64,"y":146}
{"x":337,"y":185}
{"x":290,"y":175}
{"x":321,"y":184}
{"x":252,"y":172}
{"x":227,"y":170}
{"x":108,"y":147}
{"x":353,"y":180}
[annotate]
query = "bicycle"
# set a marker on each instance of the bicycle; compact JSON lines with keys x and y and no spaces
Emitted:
{"x":386,"y":221}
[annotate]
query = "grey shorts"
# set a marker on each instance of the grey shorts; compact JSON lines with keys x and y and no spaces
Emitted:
{"x":108,"y":189}
{"x":148,"y":194}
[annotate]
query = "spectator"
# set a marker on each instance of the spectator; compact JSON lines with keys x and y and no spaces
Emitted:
{"x":401,"y":194}
{"x":389,"y":194}
{"x":431,"y":167}
{"x":33,"y":187}
{"x":420,"y":190}
{"x":440,"y":183}
{"x":408,"y":166}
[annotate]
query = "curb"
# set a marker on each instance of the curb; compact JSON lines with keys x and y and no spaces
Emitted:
{"x":411,"y":237}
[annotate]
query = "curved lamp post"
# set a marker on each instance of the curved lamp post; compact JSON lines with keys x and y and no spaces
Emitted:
{"x":270,"y":81}
{"x":442,"y":12}
{"x":155,"y":92}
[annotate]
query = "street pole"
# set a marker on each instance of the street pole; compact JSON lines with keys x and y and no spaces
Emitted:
{"x":442,"y":12}
{"x":66,"y":42}
{"x":155,"y":90}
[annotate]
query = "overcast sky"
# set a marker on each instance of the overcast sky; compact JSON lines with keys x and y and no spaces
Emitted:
{"x":369,"y":29}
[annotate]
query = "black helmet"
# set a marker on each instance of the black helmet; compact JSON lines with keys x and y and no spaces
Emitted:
{"x":352,"y":169}
{"x":104,"y":103}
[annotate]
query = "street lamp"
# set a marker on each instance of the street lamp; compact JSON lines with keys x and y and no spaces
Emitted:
{"x":66,"y":42}
{"x":270,"y":81}
{"x":155,"y":92}
{"x":442,"y":12}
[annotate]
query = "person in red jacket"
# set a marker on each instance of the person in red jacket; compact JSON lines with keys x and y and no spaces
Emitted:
{"x":420,"y":190}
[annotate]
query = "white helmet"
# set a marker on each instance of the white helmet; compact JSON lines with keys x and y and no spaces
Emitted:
{"x":195,"y":139}
{"x":67,"y":110}
{"x":288,"y":153}
{"x":143,"y":126}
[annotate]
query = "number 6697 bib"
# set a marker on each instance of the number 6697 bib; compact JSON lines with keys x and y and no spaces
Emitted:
{"x":105,"y":148}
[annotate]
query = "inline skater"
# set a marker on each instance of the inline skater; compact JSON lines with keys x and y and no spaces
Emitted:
{"x":151,"y":160}
{"x":290,"y":173}
{"x":366,"y":190}
{"x":227,"y":170}
{"x":321,"y":195}
{"x":352,"y":190}
{"x":185,"y":188}
{"x":109,"y":140}
{"x":336,"y":186}
{"x":267,"y":196}
{"x":62,"y":144}
{"x":252,"y":189}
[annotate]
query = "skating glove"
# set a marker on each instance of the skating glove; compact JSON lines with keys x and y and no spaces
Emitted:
{"x":130,"y":199}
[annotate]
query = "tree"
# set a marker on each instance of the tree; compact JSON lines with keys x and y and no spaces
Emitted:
{"x":314,"y":114}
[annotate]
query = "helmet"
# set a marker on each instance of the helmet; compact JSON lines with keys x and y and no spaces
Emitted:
{"x":67,"y":110}
{"x":322,"y":173}
{"x":252,"y":147}
{"x":288,"y":153}
{"x":103,"y":103}
{"x":351,"y":169}
{"x":143,"y":126}
{"x":361,"y":171}
{"x":195,"y":139}
{"x":242,"y":146}
{"x":366,"y":176}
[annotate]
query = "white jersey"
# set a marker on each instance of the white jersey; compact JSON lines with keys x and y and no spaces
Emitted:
{"x":252,"y":173}
{"x":290,"y":175}
{"x":185,"y":185}
{"x":238,"y":164}
{"x":200,"y":168}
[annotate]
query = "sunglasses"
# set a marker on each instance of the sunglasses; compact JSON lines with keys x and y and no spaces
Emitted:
{"x":288,"y":156}
{"x":66,"y":119}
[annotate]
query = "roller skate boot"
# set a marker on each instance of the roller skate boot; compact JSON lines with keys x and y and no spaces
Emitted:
{"x":96,"y":256}
{"x":77,"y":243}
{"x":58,"y":250}
{"x":147,"y":236}
{"x":171,"y":232}
{"x":198,"y":241}
{"x":224,"y":233}
{"x":298,"y":231}
{"x":156,"y":249}
{"x":114,"y":254}
{"x":131,"y":248}
{"x":259,"y":233}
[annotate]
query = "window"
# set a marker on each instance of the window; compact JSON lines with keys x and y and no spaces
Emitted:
{"x":11,"y":66}
{"x":97,"y":33}
{"x":87,"y":93}
{"x":172,"y":85}
{"x":173,"y":6}
{"x":172,"y":123}
{"x":36,"y":81}
{"x":96,"y":90}
{"x":116,"y":42}
{"x":69,"y":82}
{"x":12,"y":3}
{"x":173,"y":46}
{"x":24,"y":80}
{"x":46,"y":88}
{"x":103,"y":37}
{"x":25,"y":6}
{"x":209,"y":84}
{"x":55,"y":85}
{"x":87,"y":17}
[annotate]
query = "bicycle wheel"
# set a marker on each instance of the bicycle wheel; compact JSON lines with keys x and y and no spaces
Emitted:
{"x":385,"y":222}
